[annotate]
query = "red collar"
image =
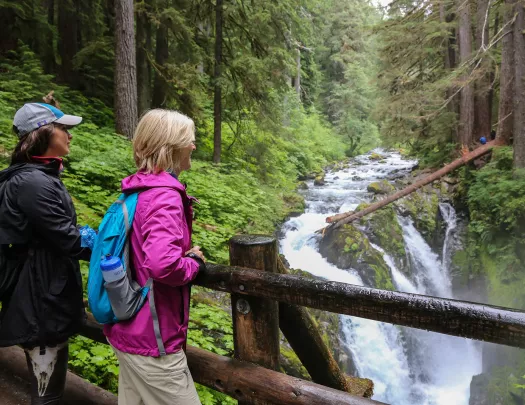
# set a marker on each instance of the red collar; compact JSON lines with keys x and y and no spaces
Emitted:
{"x":48,"y":159}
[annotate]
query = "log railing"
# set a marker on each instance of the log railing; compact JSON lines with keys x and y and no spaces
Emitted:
{"x":452,"y":317}
{"x":256,"y":291}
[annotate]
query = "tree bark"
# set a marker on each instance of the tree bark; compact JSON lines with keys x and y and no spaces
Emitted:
{"x":67,"y":40}
{"x":125,"y":69}
{"x":160,"y":89}
{"x":144,"y":47}
{"x":217,"y":98}
{"x":506,"y":81}
{"x":519,"y":94}
{"x":449,"y":57}
{"x":49,"y":56}
{"x":482,"y":115}
{"x":297,"y":81}
{"x":344,"y":218}
{"x":492,"y":75}
{"x":466,"y":103}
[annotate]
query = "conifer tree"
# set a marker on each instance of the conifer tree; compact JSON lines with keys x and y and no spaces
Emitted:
{"x":519,"y":86}
{"x":217,"y":92}
{"x":506,"y":95}
{"x":466,"y":103}
{"x":125,"y":69}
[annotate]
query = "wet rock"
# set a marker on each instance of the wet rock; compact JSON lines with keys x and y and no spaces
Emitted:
{"x":383,"y":229}
{"x":450,"y":180}
{"x":380,"y":187}
{"x":423,"y":207}
{"x":319,"y":181}
{"x":376,"y":156}
{"x":479,"y":394}
{"x":357,"y":178}
{"x":305,"y":177}
{"x":302,"y":186}
{"x":383,"y":161}
{"x":348,"y":247}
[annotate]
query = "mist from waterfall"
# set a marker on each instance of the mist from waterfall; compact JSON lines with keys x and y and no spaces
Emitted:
{"x":408,"y":366}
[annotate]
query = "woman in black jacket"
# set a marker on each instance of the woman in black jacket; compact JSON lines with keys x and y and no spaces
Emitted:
{"x":38,"y":227}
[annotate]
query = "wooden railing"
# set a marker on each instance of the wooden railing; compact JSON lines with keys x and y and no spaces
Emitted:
{"x":259,"y":291}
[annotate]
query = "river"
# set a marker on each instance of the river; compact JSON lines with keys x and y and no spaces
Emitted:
{"x":408,"y":366}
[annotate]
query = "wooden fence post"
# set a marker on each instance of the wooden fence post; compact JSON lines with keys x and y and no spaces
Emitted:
{"x":255,"y":320}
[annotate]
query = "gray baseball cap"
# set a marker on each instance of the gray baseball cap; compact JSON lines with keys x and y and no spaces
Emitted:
{"x":35,"y":115}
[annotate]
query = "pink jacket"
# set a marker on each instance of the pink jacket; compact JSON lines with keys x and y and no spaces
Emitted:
{"x":161,"y":234}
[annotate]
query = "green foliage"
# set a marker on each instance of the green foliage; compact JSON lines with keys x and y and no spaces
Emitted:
{"x":211,"y":328}
{"x":348,"y":58}
{"x":23,"y":80}
{"x":94,"y":361}
{"x":497,"y":199}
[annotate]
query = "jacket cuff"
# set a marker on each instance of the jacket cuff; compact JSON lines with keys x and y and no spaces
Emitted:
{"x":200,"y":262}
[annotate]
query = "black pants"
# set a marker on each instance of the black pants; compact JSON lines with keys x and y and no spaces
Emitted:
{"x":47,"y":370}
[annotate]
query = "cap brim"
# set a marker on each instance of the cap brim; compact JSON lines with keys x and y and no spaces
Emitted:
{"x":69,"y":120}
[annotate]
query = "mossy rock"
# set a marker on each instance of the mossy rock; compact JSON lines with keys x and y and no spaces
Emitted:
{"x":302,"y":185}
{"x":376,"y":156}
{"x":422,"y":206}
{"x":362,"y":387}
{"x":319,"y":181}
{"x":290,"y":363}
{"x":348,"y":247}
{"x":380,"y":187}
{"x":383,"y":229}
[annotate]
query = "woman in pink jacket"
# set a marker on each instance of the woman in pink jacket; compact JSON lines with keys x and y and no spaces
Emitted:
{"x":161,"y":249}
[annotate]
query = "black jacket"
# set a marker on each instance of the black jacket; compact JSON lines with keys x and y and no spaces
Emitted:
{"x":37,"y":215}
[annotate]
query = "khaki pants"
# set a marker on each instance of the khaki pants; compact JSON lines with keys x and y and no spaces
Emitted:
{"x":164,"y":380}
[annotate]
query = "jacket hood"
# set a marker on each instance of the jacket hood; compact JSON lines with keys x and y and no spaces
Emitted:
{"x":142,"y":180}
{"x":50,"y":168}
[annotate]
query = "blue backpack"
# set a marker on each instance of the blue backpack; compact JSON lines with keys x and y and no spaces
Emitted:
{"x":118,"y":300}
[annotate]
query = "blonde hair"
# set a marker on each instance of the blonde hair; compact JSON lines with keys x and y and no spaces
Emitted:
{"x":159,"y":138}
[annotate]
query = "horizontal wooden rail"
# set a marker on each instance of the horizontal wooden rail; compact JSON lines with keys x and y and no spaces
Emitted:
{"x":248,"y":382}
{"x":451,"y":317}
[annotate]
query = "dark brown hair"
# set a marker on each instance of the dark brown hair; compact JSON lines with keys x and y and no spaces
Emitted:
{"x":34,"y":143}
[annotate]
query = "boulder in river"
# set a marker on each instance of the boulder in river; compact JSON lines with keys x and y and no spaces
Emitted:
{"x":383,"y":229}
{"x":319,"y":181}
{"x":348,"y":247}
{"x":380,"y":187}
{"x":376,"y":156}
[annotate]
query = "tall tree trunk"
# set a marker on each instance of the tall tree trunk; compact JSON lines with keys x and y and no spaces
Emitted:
{"x":466,"y":103}
{"x":449,"y":57}
{"x":144,"y":46}
{"x":482,"y":115}
{"x":8,"y":39}
{"x":125,"y":69}
{"x":49,"y":57}
{"x":506,"y":81}
{"x":492,"y":75}
{"x":217,"y":99}
{"x":519,"y":95}
{"x":297,"y":81}
{"x":161,"y":58}
{"x":67,"y":39}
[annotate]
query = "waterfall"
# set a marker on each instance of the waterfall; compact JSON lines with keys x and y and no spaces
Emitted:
{"x":408,"y":366}
{"x":451,"y":220}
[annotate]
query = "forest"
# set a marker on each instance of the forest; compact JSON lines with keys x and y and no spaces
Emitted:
{"x":281,"y":93}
